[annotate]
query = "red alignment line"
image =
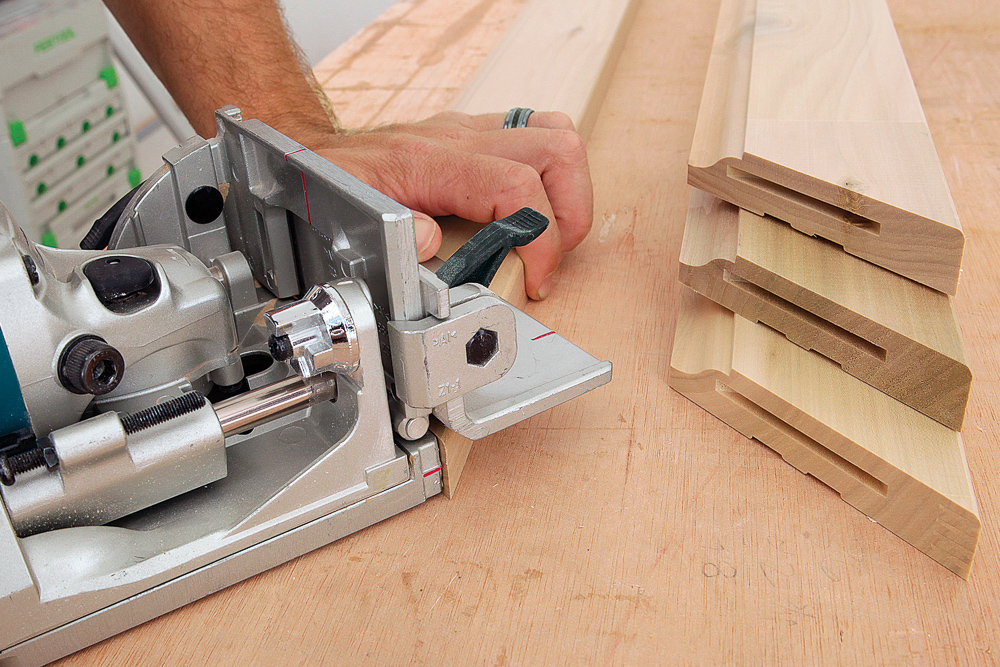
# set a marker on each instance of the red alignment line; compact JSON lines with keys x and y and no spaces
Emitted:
{"x":293,"y":153}
{"x":306,"y":193}
{"x":543,"y":335}
{"x":428,"y":474}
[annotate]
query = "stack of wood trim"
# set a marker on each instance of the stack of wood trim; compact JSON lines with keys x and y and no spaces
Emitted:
{"x":810,"y":122}
{"x":899,"y":467}
{"x":847,"y":309}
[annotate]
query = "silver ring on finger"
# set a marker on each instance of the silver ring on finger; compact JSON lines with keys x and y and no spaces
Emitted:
{"x":517,"y":117}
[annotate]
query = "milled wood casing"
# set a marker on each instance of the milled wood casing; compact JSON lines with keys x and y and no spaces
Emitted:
{"x":809,"y":114}
{"x":904,"y":470}
{"x":895,"y":334}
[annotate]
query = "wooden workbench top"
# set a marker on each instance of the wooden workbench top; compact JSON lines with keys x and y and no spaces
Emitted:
{"x":629,"y":526}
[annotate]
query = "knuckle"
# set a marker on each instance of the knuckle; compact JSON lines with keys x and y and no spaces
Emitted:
{"x":451,"y":117}
{"x":413,"y":151}
{"x":521,"y":182}
{"x":561,"y":121}
{"x":447,"y":127}
{"x":570,"y":146}
{"x":453,"y":136}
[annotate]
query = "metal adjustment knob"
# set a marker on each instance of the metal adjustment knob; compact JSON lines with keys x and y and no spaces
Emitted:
{"x":315,"y":334}
{"x":88,"y":365}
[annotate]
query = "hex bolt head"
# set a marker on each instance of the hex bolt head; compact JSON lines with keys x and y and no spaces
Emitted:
{"x":482,"y":347}
{"x":88,"y":365}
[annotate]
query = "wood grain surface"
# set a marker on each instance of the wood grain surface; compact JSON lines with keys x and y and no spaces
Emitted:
{"x":558,"y":54}
{"x":891,"y":332}
{"x":629,"y":526}
{"x":904,"y":470}
{"x":809,"y":114}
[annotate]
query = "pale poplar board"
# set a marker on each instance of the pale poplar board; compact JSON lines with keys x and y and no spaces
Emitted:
{"x":904,"y":470}
{"x":897,"y":335}
{"x":809,"y":114}
{"x":558,"y":56}
{"x":415,"y":60}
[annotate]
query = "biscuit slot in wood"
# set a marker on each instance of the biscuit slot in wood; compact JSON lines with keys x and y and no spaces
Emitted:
{"x":862,"y":476}
{"x":824,"y":325}
{"x":853,"y":219}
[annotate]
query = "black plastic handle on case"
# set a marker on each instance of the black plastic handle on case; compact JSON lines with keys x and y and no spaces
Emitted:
{"x":479,"y":259}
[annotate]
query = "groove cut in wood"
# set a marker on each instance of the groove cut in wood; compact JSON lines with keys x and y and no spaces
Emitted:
{"x":809,"y":114}
{"x":559,"y":55}
{"x":895,"y":334}
{"x":902,"y":469}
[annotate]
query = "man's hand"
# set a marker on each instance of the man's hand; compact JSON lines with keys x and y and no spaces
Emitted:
{"x":468,"y":166}
{"x":450,"y":164}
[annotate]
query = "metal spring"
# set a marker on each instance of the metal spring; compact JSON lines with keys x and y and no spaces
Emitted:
{"x":157,"y":414}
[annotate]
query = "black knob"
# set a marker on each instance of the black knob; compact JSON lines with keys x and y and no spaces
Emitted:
{"x":204,"y":204}
{"x":280,"y":347}
{"x":123,"y":283}
{"x":88,"y":365}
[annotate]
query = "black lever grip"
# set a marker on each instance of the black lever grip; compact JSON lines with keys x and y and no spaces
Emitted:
{"x":479,"y":259}
{"x":100,"y":233}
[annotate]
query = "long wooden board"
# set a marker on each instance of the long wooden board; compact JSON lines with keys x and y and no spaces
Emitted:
{"x":809,"y":114}
{"x":558,"y":56}
{"x":897,"y":335}
{"x":904,"y":470}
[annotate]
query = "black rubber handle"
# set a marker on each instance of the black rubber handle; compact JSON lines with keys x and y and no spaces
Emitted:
{"x":479,"y":259}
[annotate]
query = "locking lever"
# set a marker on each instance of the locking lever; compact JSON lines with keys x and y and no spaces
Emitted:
{"x":478,"y":260}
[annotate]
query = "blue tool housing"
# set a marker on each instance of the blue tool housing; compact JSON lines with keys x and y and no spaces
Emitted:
{"x":13,"y":412}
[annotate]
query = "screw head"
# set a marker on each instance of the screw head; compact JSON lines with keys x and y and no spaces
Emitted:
{"x":482,"y":347}
{"x":89,"y":365}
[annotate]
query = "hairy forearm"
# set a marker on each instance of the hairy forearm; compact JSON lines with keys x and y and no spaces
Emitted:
{"x":210,"y":53}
